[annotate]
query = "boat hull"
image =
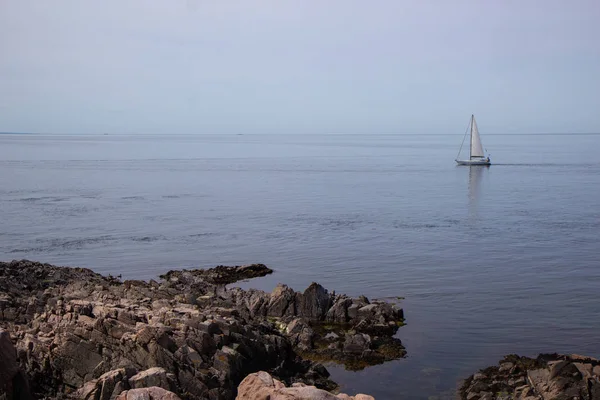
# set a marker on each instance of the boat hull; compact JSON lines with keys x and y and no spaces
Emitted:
{"x":483,"y":161}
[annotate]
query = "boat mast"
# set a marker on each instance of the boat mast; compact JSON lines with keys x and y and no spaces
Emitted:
{"x":471,"y":146}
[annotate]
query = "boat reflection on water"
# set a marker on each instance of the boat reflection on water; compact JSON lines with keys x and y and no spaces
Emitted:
{"x":476,"y":173}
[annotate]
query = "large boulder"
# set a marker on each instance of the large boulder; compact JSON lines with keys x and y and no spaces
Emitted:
{"x":282,"y":302}
{"x":315,"y":302}
{"x":151,"y":393}
{"x":357,"y":344}
{"x":106,"y":387}
{"x":153,"y":377}
{"x":301,"y":334}
{"x":262,"y":386}
{"x":338,"y":313}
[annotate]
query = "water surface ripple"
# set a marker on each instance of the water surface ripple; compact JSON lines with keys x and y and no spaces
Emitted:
{"x":490,"y":260}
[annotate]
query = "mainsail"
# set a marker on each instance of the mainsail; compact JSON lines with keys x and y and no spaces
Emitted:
{"x":476,"y":147}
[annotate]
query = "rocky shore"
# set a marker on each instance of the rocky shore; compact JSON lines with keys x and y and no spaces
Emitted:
{"x":72,"y":333}
{"x":69,"y":333}
{"x":547,"y":377}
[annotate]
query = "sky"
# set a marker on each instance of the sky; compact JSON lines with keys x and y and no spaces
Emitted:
{"x":295,"y":67}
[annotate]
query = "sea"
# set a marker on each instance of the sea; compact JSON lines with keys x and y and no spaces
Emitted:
{"x":488,"y":261}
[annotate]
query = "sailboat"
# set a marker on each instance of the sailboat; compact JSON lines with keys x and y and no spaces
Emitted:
{"x":476,"y":155}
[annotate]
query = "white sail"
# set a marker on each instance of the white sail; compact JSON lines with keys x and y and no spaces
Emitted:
{"x":476,"y":147}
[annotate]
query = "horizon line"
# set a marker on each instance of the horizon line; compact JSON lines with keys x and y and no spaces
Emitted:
{"x":291,"y":134}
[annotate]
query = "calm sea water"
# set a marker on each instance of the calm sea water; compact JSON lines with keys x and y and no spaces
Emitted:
{"x":490,"y":260}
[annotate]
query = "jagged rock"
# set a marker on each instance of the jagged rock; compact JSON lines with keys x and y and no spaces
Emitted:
{"x":313,"y":332}
{"x":315,"y":302}
{"x":13,"y":383}
{"x":338,"y":313}
{"x":549,"y":376}
{"x":106,"y":387}
{"x":151,"y":393}
{"x":301,"y":334}
{"x":229,"y":364}
{"x":282,"y":302}
{"x":187,"y":333}
{"x":262,"y":386}
{"x":152,"y":377}
{"x":8,"y":362}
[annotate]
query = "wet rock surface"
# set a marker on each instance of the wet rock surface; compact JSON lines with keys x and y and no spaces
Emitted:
{"x":84,"y":335}
{"x":222,"y":275}
{"x":547,"y":377}
{"x":326,"y":327}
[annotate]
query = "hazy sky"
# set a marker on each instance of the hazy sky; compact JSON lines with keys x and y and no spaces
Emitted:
{"x":286,"y":66}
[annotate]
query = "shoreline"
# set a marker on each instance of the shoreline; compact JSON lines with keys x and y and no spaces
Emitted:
{"x":72,"y":326}
{"x":72,"y":333}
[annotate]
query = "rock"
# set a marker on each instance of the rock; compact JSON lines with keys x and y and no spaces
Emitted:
{"x":151,"y":393}
{"x":505,"y":367}
{"x":585,"y":369}
{"x":296,"y":326}
{"x":555,"y":369}
{"x":375,"y":329}
{"x":357,"y":344}
{"x":322,"y":317}
{"x":229,"y":363}
{"x":282,"y":302}
{"x":187,"y":333}
{"x":259,"y":385}
{"x":338,"y":313}
{"x":353,"y":311}
{"x":300,"y":334}
{"x":13,"y":382}
{"x":538,"y":378}
{"x":106,"y":387}
{"x":549,"y":376}
{"x":315,"y":302}
{"x":8,"y":363}
{"x":151,"y":377}
{"x":78,"y":356}
{"x":220,"y":275}
{"x":594,"y":389}
{"x":262,"y":386}
{"x":367,"y":311}
{"x":304,"y":392}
